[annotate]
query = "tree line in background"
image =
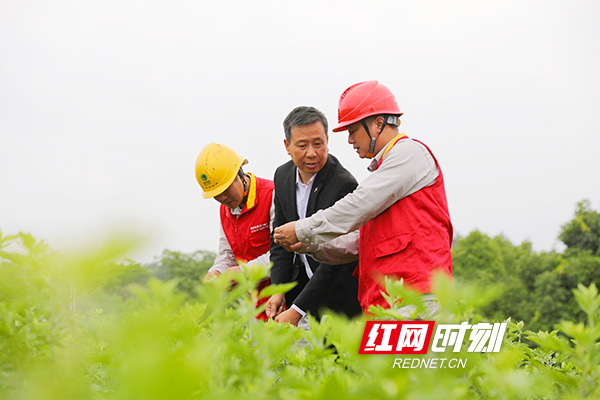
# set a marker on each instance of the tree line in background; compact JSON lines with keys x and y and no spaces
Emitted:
{"x":533,"y":287}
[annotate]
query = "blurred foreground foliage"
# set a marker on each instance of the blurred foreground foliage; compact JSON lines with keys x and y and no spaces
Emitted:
{"x":84,"y":327}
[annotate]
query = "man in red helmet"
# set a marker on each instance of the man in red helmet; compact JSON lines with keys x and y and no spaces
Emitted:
{"x":400,"y":209}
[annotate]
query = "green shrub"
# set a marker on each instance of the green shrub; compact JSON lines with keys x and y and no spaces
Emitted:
{"x":167,"y":344}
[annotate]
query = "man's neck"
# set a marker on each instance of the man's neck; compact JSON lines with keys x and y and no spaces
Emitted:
{"x":248,"y":181}
{"x":304,"y":177}
{"x":385,"y":137}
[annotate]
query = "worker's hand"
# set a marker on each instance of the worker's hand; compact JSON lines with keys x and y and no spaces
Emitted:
{"x":214,"y":274}
{"x":232,"y":271}
{"x":210,"y":276}
{"x":285,"y":236}
{"x":289,"y":316}
{"x":275,"y":305}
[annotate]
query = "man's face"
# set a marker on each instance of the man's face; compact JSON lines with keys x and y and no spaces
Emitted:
{"x":232,"y":197}
{"x":358,"y":138}
{"x":308,"y":149}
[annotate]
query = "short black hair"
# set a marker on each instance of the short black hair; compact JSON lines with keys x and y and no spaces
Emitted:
{"x":302,"y":116}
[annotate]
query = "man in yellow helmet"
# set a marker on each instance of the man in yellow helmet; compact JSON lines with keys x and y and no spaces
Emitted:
{"x":246,"y":209}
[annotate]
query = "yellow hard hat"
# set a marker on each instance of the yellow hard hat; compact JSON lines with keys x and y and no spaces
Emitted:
{"x":216,"y":168}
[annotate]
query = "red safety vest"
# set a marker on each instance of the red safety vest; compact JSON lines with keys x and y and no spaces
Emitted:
{"x":409,"y":240}
{"x":249,"y":235}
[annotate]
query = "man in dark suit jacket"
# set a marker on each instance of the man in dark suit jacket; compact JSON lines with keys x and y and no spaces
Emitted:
{"x":311,"y":181}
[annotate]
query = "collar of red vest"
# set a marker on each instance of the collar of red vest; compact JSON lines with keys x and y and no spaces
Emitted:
{"x":390,"y":145}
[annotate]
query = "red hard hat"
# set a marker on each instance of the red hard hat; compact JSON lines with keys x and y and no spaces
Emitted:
{"x":363,"y":100}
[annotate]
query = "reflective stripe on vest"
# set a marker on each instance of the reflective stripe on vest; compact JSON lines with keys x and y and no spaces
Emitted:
{"x":389,"y":146}
{"x":249,"y":234}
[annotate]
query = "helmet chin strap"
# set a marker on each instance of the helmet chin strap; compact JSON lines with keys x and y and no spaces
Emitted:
{"x":246,"y":190}
{"x":371,"y":152}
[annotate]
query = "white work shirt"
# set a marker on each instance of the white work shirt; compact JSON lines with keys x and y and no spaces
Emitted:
{"x":406,"y":168}
{"x":302,"y":196}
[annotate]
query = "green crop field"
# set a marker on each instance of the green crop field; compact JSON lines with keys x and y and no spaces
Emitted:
{"x":85,"y":327}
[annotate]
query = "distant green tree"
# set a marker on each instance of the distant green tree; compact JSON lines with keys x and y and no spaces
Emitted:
{"x":494,"y":263}
{"x":553,"y":293}
{"x":583,"y":231}
{"x":536,"y":303}
{"x":121,"y":275}
{"x":187,"y":269}
{"x":478,"y":258}
{"x":552,"y":286}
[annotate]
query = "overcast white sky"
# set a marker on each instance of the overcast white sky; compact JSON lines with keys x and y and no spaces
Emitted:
{"x":104,"y":106}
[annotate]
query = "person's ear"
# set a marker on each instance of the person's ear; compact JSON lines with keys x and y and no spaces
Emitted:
{"x":287,"y":146}
{"x":378,"y":123}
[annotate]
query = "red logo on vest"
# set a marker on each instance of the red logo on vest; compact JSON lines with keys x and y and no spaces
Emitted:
{"x":396,"y":337}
